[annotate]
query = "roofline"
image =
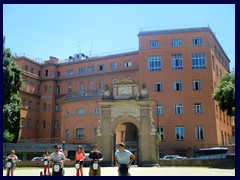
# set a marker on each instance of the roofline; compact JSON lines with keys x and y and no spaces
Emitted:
{"x":183,"y":30}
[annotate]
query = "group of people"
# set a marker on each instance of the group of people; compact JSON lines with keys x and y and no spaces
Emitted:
{"x":123,"y":157}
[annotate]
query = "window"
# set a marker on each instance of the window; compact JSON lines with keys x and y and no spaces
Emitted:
{"x":30,"y":87}
{"x":196,"y":85}
{"x":177,"y":86}
{"x":161,"y":133}
{"x":39,"y":73}
{"x":25,"y":85}
{"x":48,"y":125}
{"x":96,"y":111}
{"x":198,"y":61}
{"x":38,"y":88}
{"x":28,"y":123}
{"x":50,"y":88}
{"x":46,"y":73}
{"x":67,"y":134}
{"x":178,"y":109}
{"x":45,"y":88}
{"x":199,"y":133}
{"x":26,"y":68}
{"x":24,"y":104}
{"x":217,"y":69}
{"x":128,"y":63}
{"x":81,"y":87}
{"x":37,"y":107}
{"x":51,"y":73}
{"x":154,"y":63}
{"x":56,"y":125}
{"x":220,"y":72}
{"x":80,"y":111}
{"x":219,"y":53}
{"x":58,"y":73}
{"x":30,"y":105}
{"x":114,"y":65}
{"x":100,"y":67}
{"x":179,"y":133}
{"x":91,"y":86}
{"x":177,"y":62}
{"x":100,"y":84}
{"x":82,"y":70}
{"x":198,"y":108}
{"x":32,"y":70}
{"x":36,"y":124}
{"x":176,"y":42}
{"x":213,"y":62}
{"x":158,"y":86}
{"x":159,"y":109}
{"x":68,"y":113}
{"x":69,"y":88}
{"x":43,"y":124}
{"x":44,"y":107}
{"x":58,"y":89}
{"x":197,"y":41}
{"x":79,"y":133}
{"x":49,"y":107}
{"x":69,"y":72}
{"x":90,"y":69}
{"x":57,"y":107}
{"x":153,"y":44}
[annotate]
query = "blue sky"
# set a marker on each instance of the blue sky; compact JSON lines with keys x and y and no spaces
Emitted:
{"x":61,"y":31}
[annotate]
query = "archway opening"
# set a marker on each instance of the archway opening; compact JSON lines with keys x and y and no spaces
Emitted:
{"x":127,"y":133}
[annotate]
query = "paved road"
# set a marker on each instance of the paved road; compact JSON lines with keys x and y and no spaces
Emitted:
{"x":138,"y":171}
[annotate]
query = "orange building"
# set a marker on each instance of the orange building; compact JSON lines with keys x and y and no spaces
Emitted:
{"x":180,"y":67}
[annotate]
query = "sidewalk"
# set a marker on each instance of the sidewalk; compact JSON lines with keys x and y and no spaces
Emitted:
{"x":138,"y":171}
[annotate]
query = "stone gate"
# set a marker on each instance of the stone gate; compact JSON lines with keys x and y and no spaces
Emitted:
{"x":122,"y":103}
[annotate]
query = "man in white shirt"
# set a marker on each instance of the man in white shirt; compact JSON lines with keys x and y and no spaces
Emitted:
{"x":57,"y":157}
{"x":124,"y":159}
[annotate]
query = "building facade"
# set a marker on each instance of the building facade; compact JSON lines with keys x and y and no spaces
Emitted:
{"x":180,"y":69}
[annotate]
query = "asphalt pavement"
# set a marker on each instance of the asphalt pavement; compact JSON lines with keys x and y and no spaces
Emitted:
{"x":137,"y":171}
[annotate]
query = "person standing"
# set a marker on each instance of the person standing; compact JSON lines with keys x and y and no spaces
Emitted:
{"x":12,"y":158}
{"x":124,"y":159}
{"x":46,"y":157}
{"x":95,"y":156}
{"x":79,"y":158}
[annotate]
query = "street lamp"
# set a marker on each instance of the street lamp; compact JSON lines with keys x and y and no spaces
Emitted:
{"x":63,"y":145}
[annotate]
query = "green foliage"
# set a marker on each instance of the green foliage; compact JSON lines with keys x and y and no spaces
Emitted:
{"x":12,"y":81}
{"x":225,"y":93}
{"x":8,"y":137}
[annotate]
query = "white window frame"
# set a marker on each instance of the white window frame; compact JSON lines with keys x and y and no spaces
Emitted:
{"x":178,"y":109}
{"x":80,"y":133}
{"x":196,"y":83}
{"x":176,"y":42}
{"x":196,"y":41}
{"x":154,"y":63}
{"x":199,"y":133}
{"x":114,"y":65}
{"x":177,"y":63}
{"x":198,"y":108}
{"x":153,"y":44}
{"x":179,"y":130}
{"x":69,"y":72}
{"x":158,"y":86}
{"x":177,"y":85}
{"x":159,"y":109}
{"x":128,"y":63}
{"x":198,"y":61}
{"x":80,"y":111}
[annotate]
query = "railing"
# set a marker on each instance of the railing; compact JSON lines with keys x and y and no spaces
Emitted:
{"x":84,"y":95}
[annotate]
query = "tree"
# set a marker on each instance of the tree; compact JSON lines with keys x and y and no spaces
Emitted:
{"x":225,"y":93}
{"x":12,"y":81}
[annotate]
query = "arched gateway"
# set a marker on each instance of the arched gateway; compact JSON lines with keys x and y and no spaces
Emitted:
{"x":122,"y":106}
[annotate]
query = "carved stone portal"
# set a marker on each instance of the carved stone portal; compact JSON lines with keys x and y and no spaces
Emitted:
{"x":124,"y":104}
